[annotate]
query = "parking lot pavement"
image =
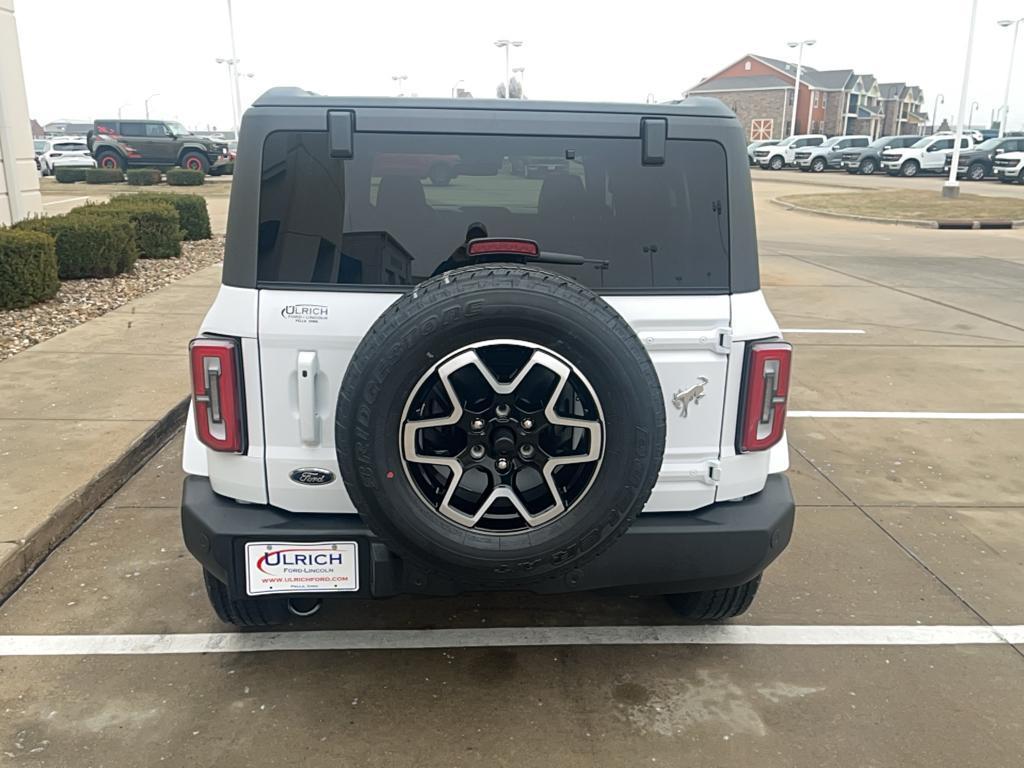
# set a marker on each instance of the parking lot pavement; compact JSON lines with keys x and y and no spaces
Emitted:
{"x":847,"y":181}
{"x":908,"y":523}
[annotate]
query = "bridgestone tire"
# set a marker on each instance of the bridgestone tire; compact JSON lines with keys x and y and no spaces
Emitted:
{"x":479,"y":304}
{"x":715,"y":604}
{"x":246,"y":612}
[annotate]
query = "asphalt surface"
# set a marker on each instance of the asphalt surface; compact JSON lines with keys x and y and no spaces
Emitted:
{"x":911,"y":522}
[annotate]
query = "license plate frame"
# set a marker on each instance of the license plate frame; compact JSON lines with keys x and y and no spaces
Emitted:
{"x":289,"y":567}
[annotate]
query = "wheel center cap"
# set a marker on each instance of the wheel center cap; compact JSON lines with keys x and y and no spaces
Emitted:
{"x":503,"y":441}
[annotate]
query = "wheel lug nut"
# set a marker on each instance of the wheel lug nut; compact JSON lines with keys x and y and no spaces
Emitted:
{"x":502,"y":465}
{"x":477,"y":452}
{"x":527,"y":423}
{"x":526,"y":451}
{"x":477,"y":425}
{"x":503,"y":411}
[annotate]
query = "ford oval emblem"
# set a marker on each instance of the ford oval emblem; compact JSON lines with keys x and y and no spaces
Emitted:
{"x":312,"y":476}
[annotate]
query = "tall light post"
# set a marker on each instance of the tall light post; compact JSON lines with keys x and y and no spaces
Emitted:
{"x":232,"y":84}
{"x":970,"y":119}
{"x":1009,"y":74}
{"x":507,"y":44}
{"x":521,"y":71}
{"x":119,"y":109}
{"x":799,"y":45}
{"x":939,"y":99}
{"x":400,"y":79}
{"x":149,"y":99}
{"x":952,"y":187}
{"x":455,"y":88}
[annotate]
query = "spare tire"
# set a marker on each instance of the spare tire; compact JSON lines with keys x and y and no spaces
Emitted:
{"x":500,"y":426}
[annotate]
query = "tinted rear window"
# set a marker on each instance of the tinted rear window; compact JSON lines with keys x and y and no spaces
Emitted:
{"x":399,"y":210}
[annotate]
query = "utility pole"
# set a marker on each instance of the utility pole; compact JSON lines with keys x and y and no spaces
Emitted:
{"x":952,"y":187}
{"x":1009,"y":75}
{"x":507,"y":44}
{"x":796,"y":89}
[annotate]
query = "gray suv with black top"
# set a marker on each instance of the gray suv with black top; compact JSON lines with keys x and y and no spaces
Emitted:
{"x":977,"y":164}
{"x":868,"y":159}
{"x":127,"y":144}
{"x":555,"y":384}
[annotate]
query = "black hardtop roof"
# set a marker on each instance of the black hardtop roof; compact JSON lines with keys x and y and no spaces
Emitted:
{"x":692,"y":106}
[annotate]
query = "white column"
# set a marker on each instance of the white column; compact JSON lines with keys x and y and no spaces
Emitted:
{"x":19,"y":181}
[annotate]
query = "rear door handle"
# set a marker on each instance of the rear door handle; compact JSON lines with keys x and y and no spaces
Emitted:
{"x":307,"y":368}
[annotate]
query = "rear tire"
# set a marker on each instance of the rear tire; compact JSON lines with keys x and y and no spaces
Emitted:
{"x":110,"y":159}
{"x":715,"y":604}
{"x":194,"y":161}
{"x":247,"y":612}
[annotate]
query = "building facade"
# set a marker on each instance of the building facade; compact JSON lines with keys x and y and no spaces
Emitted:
{"x":760,"y":90}
{"x":19,"y":180}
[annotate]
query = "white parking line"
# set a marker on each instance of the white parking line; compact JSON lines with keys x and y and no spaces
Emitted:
{"x":823,"y":330}
{"x":410,"y":639}
{"x":975,"y":416}
{"x":68,"y":200}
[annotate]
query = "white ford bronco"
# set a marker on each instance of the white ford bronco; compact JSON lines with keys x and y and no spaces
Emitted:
{"x":558,"y":383}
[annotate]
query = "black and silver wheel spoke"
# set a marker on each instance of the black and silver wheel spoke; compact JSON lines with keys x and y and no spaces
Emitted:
{"x":520,"y":441}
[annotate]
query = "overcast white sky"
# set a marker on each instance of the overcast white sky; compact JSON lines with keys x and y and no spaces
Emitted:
{"x":84,"y":60}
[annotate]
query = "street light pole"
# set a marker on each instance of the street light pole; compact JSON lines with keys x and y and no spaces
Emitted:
{"x":507,"y":44}
{"x":939,"y":99}
{"x":970,"y":120}
{"x":232,"y":82}
{"x":796,"y":89}
{"x":952,"y":187}
{"x":126,"y":104}
{"x":148,"y":98}
{"x":1009,"y":74}
{"x":400,"y":79}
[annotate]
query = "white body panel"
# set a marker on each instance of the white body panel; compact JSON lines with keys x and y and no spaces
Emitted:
{"x":928,"y":160}
{"x":316,"y":333}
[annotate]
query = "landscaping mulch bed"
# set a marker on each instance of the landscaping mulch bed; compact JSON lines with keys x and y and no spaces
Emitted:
{"x":81,"y":300}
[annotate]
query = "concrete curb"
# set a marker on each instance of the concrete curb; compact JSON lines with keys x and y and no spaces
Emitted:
{"x":945,"y":224}
{"x":75,"y":509}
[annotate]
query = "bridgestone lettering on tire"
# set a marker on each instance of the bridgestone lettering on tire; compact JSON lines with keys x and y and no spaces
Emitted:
{"x":500,"y":426}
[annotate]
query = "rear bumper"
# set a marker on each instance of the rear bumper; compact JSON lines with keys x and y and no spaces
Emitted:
{"x":718,"y":546}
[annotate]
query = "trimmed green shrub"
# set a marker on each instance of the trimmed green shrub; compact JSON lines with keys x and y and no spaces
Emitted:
{"x":69,"y":175}
{"x":183,"y":177}
{"x":155,"y":222}
{"x":143,"y":177}
{"x":192,"y":212}
{"x":89,"y":246}
{"x":103,"y":176}
{"x":28,"y":268}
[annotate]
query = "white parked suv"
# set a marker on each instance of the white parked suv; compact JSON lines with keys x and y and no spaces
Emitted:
{"x":928,"y":155}
{"x":828,"y":154}
{"x":1009,"y":167}
{"x":782,"y":154}
{"x":63,"y":152}
{"x":558,"y":384}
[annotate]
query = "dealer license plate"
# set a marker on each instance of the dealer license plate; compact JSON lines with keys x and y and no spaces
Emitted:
{"x":288,"y":566}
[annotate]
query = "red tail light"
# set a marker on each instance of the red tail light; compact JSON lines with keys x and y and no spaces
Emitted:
{"x":766,"y":390}
{"x":217,"y":393}
{"x":494,"y":245}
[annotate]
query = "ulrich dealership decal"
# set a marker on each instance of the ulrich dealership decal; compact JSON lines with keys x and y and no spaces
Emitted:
{"x":305,"y":313}
{"x":281,"y":566}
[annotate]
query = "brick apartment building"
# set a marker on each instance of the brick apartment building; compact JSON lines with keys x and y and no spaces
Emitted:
{"x":834,"y":102}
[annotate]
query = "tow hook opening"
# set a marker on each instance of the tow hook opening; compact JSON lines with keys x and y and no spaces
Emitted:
{"x":304,"y":606}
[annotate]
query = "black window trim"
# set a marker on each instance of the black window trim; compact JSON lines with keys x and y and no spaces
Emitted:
{"x":390,"y":289}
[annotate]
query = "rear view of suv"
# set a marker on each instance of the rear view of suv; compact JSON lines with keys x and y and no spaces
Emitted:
{"x":551,"y":384}
{"x":155,"y":144}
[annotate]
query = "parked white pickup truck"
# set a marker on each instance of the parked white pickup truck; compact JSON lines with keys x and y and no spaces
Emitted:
{"x":926,"y":156}
{"x":783,"y":153}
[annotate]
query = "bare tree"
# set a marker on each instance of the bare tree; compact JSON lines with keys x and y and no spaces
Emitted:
{"x":501,"y":91}
{"x":515,"y":89}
